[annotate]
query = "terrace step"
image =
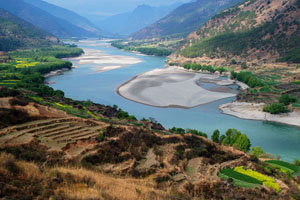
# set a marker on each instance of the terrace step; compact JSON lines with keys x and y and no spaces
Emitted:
{"x":78,"y":130}
{"x":79,"y":136}
{"x":13,"y":135}
{"x":57,"y":130}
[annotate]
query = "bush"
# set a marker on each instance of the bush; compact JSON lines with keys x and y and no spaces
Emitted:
{"x":297,"y":162}
{"x":244,"y":66}
{"x":256,"y":151}
{"x":287,"y":99}
{"x":101,"y":135}
{"x":276,"y":108}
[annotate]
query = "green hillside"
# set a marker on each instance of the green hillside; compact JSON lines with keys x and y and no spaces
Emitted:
{"x":262,"y":30}
{"x":16,"y":33}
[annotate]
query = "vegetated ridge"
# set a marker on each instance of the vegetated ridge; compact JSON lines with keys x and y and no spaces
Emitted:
{"x":184,"y":19}
{"x":256,"y":30}
{"x":16,"y":33}
{"x":44,"y":20}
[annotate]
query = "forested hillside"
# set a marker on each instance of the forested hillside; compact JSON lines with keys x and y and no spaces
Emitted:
{"x":185,"y":19}
{"x":257,"y":30}
{"x":16,"y":33}
{"x":44,"y":20}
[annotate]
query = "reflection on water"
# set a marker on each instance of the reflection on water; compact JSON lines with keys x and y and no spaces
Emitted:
{"x":83,"y":83}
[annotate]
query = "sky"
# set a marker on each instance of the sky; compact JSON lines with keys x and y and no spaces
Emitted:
{"x":107,"y":7}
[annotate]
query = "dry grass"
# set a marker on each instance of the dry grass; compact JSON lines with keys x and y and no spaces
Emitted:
{"x":108,"y":187}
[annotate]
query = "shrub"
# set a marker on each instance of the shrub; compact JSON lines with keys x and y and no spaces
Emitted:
{"x":256,"y":151}
{"x":287,"y":99}
{"x":244,"y":66}
{"x":276,"y":108}
{"x":297,"y":162}
{"x":101,"y":135}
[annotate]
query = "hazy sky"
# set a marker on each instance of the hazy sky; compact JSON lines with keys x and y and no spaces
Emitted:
{"x":108,"y":7}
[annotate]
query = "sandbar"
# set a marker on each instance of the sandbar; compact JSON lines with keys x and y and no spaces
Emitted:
{"x":170,"y":87}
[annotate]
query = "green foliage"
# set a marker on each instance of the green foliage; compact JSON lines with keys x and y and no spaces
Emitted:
{"x":197,"y":67}
{"x":154,"y":51}
{"x":247,"y":78}
{"x":256,"y":151}
{"x":124,"y":115}
{"x":276,"y":108}
{"x":28,"y":67}
{"x":196,"y":132}
{"x":157,"y":51}
{"x":182,"y":131}
{"x":244,"y":65}
{"x":101,"y":135}
{"x":287,"y":99}
{"x":236,"y":139}
{"x":216,"y":136}
{"x":179,"y":131}
{"x":297,"y":162}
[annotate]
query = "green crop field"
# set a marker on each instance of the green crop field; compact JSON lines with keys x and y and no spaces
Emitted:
{"x":238,"y":176}
{"x":284,"y":165}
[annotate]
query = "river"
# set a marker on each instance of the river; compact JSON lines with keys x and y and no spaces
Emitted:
{"x":83,"y":83}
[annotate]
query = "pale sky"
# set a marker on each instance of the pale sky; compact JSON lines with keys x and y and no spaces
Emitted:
{"x":108,"y":7}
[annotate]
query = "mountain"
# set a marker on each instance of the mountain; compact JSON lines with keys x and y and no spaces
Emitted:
{"x":44,"y":20}
{"x":184,"y":19}
{"x":65,"y":14}
{"x":130,"y":22}
{"x":256,"y":30}
{"x":16,"y":33}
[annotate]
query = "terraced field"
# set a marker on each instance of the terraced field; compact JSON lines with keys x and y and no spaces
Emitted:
{"x":56,"y":134}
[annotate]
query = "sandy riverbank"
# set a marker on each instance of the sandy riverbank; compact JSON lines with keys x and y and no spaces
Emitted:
{"x":170,"y":87}
{"x":254,"y":112}
{"x":104,"y":62}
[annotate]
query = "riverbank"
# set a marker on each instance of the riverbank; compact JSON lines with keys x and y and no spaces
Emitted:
{"x":170,"y":87}
{"x":254,"y":111}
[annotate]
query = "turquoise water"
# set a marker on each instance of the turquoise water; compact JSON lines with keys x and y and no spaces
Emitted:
{"x":83,"y":83}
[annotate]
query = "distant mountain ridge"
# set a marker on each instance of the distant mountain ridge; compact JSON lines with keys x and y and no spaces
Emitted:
{"x":184,"y":19}
{"x":130,"y":22}
{"x":256,"y":30}
{"x":44,"y":20}
{"x":66,"y":14}
{"x":16,"y":33}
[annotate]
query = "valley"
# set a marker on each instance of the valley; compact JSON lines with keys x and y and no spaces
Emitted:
{"x":151,"y":100}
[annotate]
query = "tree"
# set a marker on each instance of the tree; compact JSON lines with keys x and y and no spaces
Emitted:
{"x":216,"y":136}
{"x":236,"y":139}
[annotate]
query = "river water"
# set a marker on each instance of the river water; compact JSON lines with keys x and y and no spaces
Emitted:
{"x":84,"y":83}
